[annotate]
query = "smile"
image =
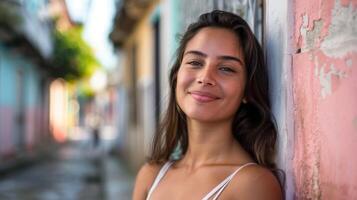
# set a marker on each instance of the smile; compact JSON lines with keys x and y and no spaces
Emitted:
{"x":203,"y":97}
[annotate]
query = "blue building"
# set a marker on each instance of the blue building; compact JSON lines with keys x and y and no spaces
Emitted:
{"x":25,"y":50}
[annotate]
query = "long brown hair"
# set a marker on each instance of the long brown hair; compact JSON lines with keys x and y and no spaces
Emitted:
{"x":253,"y":125}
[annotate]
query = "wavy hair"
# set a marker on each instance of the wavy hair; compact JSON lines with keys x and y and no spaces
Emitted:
{"x":253,"y":125}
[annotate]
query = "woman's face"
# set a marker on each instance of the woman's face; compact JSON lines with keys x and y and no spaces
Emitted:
{"x":212,"y":76}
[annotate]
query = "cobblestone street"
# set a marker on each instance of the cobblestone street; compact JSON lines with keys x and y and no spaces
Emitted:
{"x":78,"y":171}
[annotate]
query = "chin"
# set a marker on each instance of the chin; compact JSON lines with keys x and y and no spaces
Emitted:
{"x":207,"y":116}
{"x":203,"y":117}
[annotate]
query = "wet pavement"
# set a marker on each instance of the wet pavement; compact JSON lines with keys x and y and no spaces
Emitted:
{"x":77,"y":172}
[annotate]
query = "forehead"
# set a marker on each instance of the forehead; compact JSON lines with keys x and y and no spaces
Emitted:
{"x":215,"y":41}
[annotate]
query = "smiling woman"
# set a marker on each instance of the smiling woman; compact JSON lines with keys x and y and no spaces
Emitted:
{"x":211,"y":80}
{"x":218,"y":116}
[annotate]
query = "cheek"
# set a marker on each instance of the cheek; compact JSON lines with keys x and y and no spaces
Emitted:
{"x":180,"y":87}
{"x":183,"y":81}
{"x":236,"y":93}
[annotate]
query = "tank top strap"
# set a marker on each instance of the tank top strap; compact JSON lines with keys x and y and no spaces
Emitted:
{"x":220,"y":187}
{"x":159,"y":176}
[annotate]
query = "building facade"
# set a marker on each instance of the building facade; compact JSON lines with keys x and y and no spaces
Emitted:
{"x":25,"y":49}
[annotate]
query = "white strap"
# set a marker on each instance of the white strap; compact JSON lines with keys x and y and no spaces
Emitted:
{"x":219,"y":188}
{"x":158,"y":178}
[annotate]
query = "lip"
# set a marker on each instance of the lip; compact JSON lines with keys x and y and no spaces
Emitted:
{"x":203,"y":97}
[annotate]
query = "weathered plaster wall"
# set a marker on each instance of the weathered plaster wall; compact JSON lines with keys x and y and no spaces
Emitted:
{"x":325,"y":99}
{"x":278,"y":39}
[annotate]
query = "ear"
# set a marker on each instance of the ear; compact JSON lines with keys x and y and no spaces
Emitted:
{"x":244,"y":100}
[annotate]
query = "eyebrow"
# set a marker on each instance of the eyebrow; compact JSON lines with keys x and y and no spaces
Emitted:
{"x":199,"y":53}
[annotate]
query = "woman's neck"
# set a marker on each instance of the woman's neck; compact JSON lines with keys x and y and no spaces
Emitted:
{"x":210,"y":144}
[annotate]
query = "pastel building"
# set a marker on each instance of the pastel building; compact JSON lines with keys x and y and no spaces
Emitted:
{"x":25,"y":49}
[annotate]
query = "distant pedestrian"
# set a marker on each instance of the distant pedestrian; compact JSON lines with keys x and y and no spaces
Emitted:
{"x":96,"y":136}
{"x":218,"y":115}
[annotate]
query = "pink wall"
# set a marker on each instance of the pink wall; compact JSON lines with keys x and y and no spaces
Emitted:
{"x":6,"y":126}
{"x":8,"y":129}
{"x":325,"y":99}
{"x":33,"y":133}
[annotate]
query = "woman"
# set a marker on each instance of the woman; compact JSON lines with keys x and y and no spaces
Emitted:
{"x":218,"y":116}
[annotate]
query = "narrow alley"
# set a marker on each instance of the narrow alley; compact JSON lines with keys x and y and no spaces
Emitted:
{"x":76,"y":171}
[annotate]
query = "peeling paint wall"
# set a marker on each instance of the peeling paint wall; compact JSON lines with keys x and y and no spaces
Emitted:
{"x":325,"y":99}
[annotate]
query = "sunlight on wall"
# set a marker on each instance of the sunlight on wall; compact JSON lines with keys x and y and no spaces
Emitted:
{"x":58,"y":110}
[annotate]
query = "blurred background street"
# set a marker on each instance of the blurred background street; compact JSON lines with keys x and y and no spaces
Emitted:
{"x":76,"y":171}
{"x":84,"y":83}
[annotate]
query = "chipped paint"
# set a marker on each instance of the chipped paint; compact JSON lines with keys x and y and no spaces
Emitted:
{"x":326,"y":76}
{"x":310,"y":37}
{"x":304,"y":26}
{"x":325,"y":98}
{"x":326,"y":81}
{"x":342,"y":32}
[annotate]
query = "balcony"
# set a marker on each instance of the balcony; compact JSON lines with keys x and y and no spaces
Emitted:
{"x":28,"y":31}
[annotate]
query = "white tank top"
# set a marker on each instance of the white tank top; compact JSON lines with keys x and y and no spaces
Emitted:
{"x":215,"y":191}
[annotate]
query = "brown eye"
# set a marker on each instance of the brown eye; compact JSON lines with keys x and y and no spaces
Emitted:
{"x":227,"y":69}
{"x":195,"y":63}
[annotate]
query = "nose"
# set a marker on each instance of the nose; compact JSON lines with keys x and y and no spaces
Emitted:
{"x":206,"y":77}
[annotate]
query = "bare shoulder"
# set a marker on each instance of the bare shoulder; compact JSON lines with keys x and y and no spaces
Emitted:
{"x":144,"y":180}
{"x":256,"y":182}
{"x":148,"y":172}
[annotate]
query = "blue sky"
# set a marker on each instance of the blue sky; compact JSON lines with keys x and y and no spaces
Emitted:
{"x":97,"y":17}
